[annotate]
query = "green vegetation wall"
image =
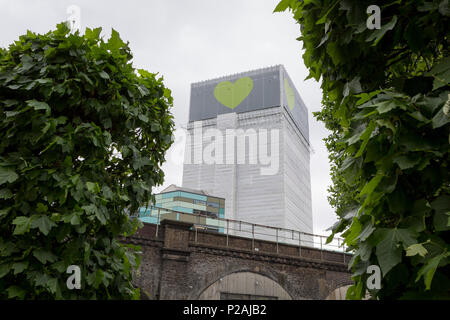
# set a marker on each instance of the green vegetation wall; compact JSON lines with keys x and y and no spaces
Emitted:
{"x":386,"y":103}
{"x":82,"y":140}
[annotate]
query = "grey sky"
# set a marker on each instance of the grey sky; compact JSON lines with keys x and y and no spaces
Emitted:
{"x":193,"y":40}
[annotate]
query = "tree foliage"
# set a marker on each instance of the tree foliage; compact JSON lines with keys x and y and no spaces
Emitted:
{"x":386,"y":103}
{"x":82,"y":139}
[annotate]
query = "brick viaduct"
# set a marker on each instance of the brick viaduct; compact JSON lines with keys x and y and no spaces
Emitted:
{"x":179,"y":263}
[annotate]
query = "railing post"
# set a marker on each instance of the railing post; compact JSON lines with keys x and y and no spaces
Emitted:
{"x":321,"y":251}
{"x":253,"y":237}
{"x":277,"y":240}
{"x":339,"y":244}
{"x":343,"y":250}
{"x":157,"y":222}
{"x":299,"y":243}
{"x":228,"y":221}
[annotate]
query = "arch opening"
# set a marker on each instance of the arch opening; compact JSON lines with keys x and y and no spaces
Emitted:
{"x":244,"y":285}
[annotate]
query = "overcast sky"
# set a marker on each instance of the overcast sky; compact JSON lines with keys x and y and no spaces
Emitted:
{"x":193,"y":40}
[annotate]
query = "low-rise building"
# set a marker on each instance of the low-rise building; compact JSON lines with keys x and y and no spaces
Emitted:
{"x":179,"y":203}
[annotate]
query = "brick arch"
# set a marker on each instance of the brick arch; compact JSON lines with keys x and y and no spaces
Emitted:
{"x":335,"y":284}
{"x":333,"y":292}
{"x":261,"y":271}
{"x":340,"y":283}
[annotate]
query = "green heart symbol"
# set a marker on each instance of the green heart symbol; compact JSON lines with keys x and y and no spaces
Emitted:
{"x":232,"y":94}
{"x":289,"y":94}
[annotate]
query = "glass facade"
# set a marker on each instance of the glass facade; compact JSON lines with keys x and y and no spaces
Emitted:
{"x":207,"y":207}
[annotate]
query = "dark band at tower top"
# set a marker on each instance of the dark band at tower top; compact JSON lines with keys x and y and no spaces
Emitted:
{"x":249,"y":91}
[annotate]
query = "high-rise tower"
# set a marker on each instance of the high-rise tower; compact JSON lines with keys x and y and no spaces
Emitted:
{"x":248,"y":142}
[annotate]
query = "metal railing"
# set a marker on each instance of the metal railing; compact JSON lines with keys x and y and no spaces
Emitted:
{"x":253,"y":231}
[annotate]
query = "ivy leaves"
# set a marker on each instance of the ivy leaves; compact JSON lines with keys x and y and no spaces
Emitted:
{"x":82,"y":140}
{"x":7,"y":175}
{"x":386,"y":101}
{"x":389,"y":249}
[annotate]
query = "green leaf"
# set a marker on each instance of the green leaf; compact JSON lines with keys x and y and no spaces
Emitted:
{"x":387,"y":124}
{"x":377,"y":34}
{"x":143,"y":118}
{"x":104,"y":75}
{"x":353,"y":86}
{"x":41,"y":279}
{"x":10,"y":114}
{"x":115,"y":43}
{"x":415,"y":142}
{"x":16,"y":292}
{"x":356,"y":135}
{"x":93,"y":187}
{"x":414,"y":37}
{"x":324,"y":17}
{"x":38,"y":105}
{"x":388,"y":254}
{"x":388,"y":250}
{"x":418,"y":116}
{"x":68,"y":217}
{"x":7,"y":175}
{"x":353,"y":232}
{"x":52,"y":285}
{"x":441,"y":73}
{"x":364,"y":97}
{"x":388,"y":105}
{"x":101,"y":217}
{"x":365,"y":251}
{"x":355,"y":292}
{"x":407,"y":162}
{"x":366,"y":231}
{"x":75,"y":219}
{"x":441,"y":219}
{"x":93,"y":34}
{"x":5,"y":193}
{"x":18,"y":267}
{"x":428,"y":270}
{"x":388,"y":183}
{"x":27,"y":63}
{"x":323,"y":40}
{"x":90,"y":209}
{"x":44,"y":256}
{"x":41,"y":208}
{"x":440,"y":119}
{"x":23,"y":225}
{"x":415,"y":249}
{"x":421,"y":207}
{"x":4,"y":212}
{"x":107,"y":193}
{"x":43,"y":223}
{"x":282,"y":6}
{"x":365,"y":138}
{"x":336,"y":53}
{"x":140,"y":162}
{"x":4,"y":269}
{"x":373,"y":183}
